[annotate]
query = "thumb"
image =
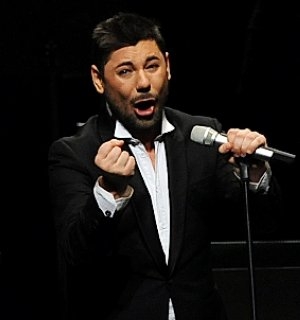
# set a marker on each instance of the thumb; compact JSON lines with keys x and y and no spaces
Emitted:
{"x":225,"y":147}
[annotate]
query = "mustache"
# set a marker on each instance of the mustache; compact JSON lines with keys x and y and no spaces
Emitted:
{"x":143,"y":97}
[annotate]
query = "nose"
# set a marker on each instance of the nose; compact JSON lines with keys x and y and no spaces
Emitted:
{"x":143,"y":82}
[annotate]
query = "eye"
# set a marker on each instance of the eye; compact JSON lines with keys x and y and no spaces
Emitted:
{"x":124,"y":72}
{"x":152,"y":66}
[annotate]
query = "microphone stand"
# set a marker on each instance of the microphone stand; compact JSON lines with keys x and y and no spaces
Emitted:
{"x":244,"y":174}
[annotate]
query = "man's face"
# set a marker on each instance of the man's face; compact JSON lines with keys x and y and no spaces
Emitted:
{"x":136,"y":85}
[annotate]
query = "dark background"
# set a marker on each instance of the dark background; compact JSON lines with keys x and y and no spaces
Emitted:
{"x":236,"y":60}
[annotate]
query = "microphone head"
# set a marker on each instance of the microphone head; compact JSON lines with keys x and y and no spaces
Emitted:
{"x":203,"y":135}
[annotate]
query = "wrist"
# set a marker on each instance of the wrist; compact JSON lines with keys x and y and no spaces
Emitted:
{"x":116,"y":190}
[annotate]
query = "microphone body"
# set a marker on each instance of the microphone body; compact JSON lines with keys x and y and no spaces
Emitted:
{"x":208,"y":136}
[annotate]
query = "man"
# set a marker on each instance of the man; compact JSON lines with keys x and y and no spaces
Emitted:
{"x":133,"y":194}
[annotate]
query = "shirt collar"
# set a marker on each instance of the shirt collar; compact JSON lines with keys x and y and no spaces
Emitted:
{"x":122,"y":133}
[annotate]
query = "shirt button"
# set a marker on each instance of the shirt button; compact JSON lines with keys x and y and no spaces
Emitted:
{"x":108,"y":213}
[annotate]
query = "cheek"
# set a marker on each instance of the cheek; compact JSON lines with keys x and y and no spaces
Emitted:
{"x":163,"y":77}
{"x":118,"y":94}
{"x":123,"y":87}
{"x":162,"y":84}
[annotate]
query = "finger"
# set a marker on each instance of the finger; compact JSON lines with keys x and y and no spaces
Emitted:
{"x":248,"y":143}
{"x":237,"y":138}
{"x":244,"y":141}
{"x":225,"y":147}
{"x":129,"y":168}
{"x":106,"y":148}
{"x":125,"y":163}
{"x":257,"y":141}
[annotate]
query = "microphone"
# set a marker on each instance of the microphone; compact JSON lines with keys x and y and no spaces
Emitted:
{"x":208,"y":136}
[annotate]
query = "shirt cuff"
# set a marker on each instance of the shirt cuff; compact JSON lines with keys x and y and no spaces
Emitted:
{"x":263,"y":184}
{"x":106,"y":201}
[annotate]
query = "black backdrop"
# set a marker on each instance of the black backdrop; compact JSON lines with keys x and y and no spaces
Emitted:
{"x":238,"y":61}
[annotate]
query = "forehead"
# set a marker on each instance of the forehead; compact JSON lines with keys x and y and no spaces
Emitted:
{"x":140,"y":52}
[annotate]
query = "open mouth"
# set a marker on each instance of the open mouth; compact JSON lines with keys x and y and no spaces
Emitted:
{"x":145,"y":107}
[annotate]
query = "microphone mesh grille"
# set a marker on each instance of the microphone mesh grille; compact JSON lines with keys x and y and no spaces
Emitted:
{"x":199,"y":134}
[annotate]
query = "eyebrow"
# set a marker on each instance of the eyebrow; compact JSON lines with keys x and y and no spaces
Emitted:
{"x":129,"y":63}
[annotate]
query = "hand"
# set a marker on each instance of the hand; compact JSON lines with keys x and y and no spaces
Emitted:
{"x":243,"y":142}
{"x":118,"y":166}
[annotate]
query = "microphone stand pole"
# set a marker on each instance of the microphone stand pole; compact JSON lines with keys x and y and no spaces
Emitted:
{"x":244,"y":174}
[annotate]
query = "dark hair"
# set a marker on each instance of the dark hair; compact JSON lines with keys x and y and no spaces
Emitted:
{"x":122,"y":30}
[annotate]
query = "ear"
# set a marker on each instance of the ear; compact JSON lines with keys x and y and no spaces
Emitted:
{"x":168,"y":65}
{"x":97,"y":80}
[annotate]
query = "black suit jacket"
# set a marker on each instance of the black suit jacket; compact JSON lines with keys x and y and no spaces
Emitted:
{"x":115,"y":268}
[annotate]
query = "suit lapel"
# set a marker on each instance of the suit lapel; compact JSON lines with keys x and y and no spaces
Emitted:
{"x":175,"y":149}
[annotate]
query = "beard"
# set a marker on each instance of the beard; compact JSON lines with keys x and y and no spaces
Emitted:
{"x":140,"y":126}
